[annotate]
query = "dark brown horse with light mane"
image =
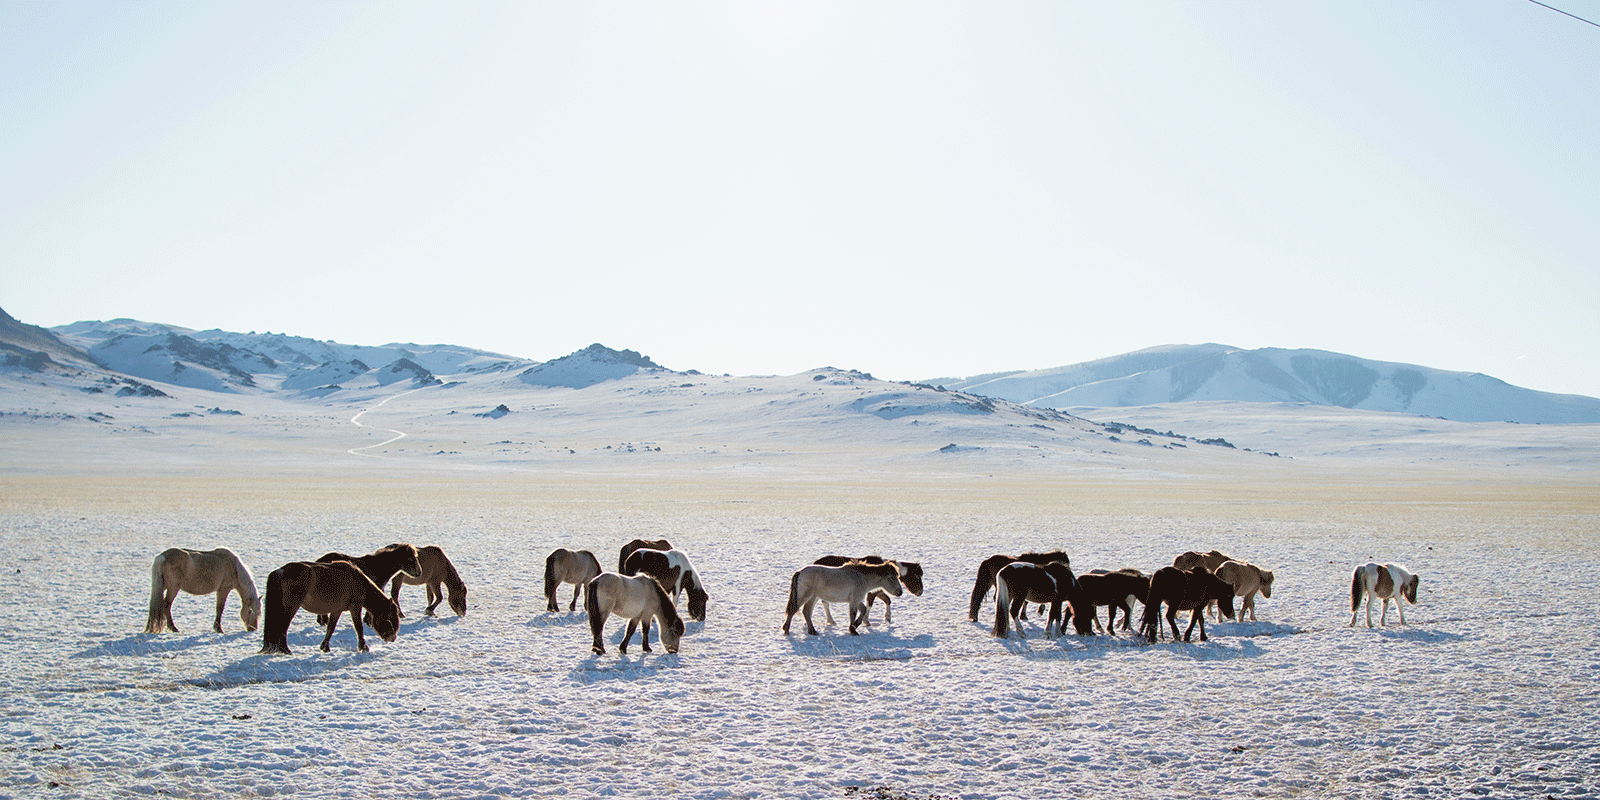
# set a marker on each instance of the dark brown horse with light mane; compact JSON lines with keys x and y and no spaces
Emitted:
{"x":992,"y":564}
{"x":380,"y":565}
{"x":436,"y":571}
{"x":627,"y":550}
{"x":576,"y":567}
{"x":200,"y":572}
{"x":328,"y":589}
{"x":1184,"y":590}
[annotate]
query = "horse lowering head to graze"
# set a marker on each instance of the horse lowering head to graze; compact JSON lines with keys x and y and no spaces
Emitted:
{"x":676,"y":574}
{"x":329,"y":589}
{"x":638,"y":599}
{"x":576,"y":567}
{"x":910,"y":580}
{"x":1119,"y":589}
{"x":380,"y":565}
{"x":850,"y":583}
{"x":1020,"y":582}
{"x":436,"y":570}
{"x":1386,"y":582}
{"x":1246,"y":579}
{"x":992,"y":564}
{"x":1184,"y":590}
{"x":216,"y":571}
{"x":627,"y":549}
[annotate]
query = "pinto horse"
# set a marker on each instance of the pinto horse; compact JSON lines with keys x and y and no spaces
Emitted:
{"x":1020,"y":582}
{"x":1116,"y":590}
{"x":1246,"y":579}
{"x":1184,"y":590}
{"x":992,"y":564}
{"x":910,"y":580}
{"x":576,"y":567}
{"x":328,"y":589}
{"x":627,"y":549}
{"x":436,"y":570}
{"x":637,"y":599}
{"x":1386,"y":582}
{"x":850,"y":583}
{"x":380,"y":565}
{"x":673,"y":570}
{"x":200,"y":572}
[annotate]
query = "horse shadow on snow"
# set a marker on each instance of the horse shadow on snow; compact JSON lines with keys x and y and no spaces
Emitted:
{"x":873,"y":645}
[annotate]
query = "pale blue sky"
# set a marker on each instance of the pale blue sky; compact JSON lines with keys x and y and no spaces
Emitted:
{"x":919,"y":189}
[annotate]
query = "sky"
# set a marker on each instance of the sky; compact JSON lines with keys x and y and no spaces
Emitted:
{"x":914,"y":189}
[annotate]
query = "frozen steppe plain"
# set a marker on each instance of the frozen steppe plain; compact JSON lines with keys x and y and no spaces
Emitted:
{"x":1490,"y":691}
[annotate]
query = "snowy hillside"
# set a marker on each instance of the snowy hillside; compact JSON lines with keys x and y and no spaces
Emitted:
{"x":1214,"y":373}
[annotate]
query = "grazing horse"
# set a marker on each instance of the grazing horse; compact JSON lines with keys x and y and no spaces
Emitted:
{"x":327,"y":589}
{"x":1384,"y":581}
{"x":436,"y":570}
{"x":850,"y":583}
{"x":639,"y":600}
{"x":576,"y":567}
{"x":1116,"y":590}
{"x":673,"y":570}
{"x":1246,"y":579}
{"x":1020,"y":582}
{"x":1184,"y":590}
{"x":380,"y":565}
{"x":200,"y":572}
{"x":627,"y":549}
{"x":910,"y":580}
{"x":1210,"y":560}
{"x":992,"y":564}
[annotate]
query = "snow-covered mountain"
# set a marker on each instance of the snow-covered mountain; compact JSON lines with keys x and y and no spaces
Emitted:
{"x":1214,"y":372}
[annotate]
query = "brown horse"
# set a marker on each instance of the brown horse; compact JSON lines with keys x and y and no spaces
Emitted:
{"x":1246,"y":579}
{"x":436,"y":570}
{"x":200,"y":572}
{"x":1184,"y":590}
{"x":627,"y":549}
{"x":330,"y":589}
{"x":637,"y":599}
{"x":1021,"y":582}
{"x":1116,"y":590}
{"x":910,"y":580}
{"x":676,"y":574}
{"x":380,"y":565}
{"x":850,"y":583}
{"x":992,"y":564}
{"x":576,"y":567}
{"x":1210,"y":560}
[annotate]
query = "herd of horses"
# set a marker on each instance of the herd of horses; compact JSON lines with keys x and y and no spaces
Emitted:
{"x":651,"y":576}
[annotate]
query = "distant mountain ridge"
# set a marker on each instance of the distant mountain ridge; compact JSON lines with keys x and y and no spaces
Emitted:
{"x":1215,"y":372}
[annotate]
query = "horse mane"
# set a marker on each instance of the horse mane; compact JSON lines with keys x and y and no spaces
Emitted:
{"x":885,"y":568}
{"x":247,"y":580}
{"x":452,"y":578}
{"x":669,"y":612}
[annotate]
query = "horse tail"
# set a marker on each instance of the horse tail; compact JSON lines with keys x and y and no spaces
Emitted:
{"x":794,"y":596}
{"x":275,"y":628}
{"x":550,"y":584}
{"x":154,"y":622}
{"x":1150,"y":626}
{"x":980,"y":588}
{"x":1355,"y":590}
{"x":1002,"y":607}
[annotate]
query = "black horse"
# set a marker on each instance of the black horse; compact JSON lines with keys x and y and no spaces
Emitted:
{"x":1184,"y":590}
{"x":1114,"y":589}
{"x":992,"y":564}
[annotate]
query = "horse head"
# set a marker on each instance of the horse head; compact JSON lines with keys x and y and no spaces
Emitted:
{"x":458,"y":597}
{"x":384,"y":619}
{"x":1410,"y":589}
{"x":250,"y":613}
{"x":911,"y":576}
{"x":1266,"y":583}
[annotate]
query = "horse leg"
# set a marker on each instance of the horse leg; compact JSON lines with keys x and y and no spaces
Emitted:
{"x":572,"y":606}
{"x":623,"y":648}
{"x":435,"y":597}
{"x":1400,"y":607}
{"x":394,"y":593}
{"x":858,"y":614}
{"x":827,"y":613}
{"x":597,"y":624}
{"x":1018,"y":612}
{"x":644,"y":634}
{"x":1383,"y":618}
{"x":166,"y":609}
{"x":361,"y":637}
{"x":222,"y":602}
{"x":333,"y":619}
{"x":805,"y":610}
{"x":886,"y":619}
{"x":1197,"y":617}
{"x":1172,"y":619}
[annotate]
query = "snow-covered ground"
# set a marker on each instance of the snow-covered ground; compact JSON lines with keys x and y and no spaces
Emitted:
{"x":1489,"y":691}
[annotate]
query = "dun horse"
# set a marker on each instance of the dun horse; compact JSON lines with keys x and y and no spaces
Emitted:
{"x":1246,"y":579}
{"x":638,"y":600}
{"x":910,"y":580}
{"x":1184,"y":590}
{"x":200,"y":572}
{"x":1119,"y":589}
{"x":328,"y":589}
{"x":627,"y":549}
{"x":379,"y":566}
{"x":850,"y":583}
{"x":436,"y":570}
{"x":1020,"y":582}
{"x":1386,"y":582}
{"x":576,"y":567}
{"x":992,"y":564}
{"x":673,"y":570}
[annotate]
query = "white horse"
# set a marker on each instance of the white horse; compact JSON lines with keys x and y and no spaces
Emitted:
{"x":847,"y":584}
{"x":639,"y":600}
{"x":200,"y":572}
{"x":1385,"y":581}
